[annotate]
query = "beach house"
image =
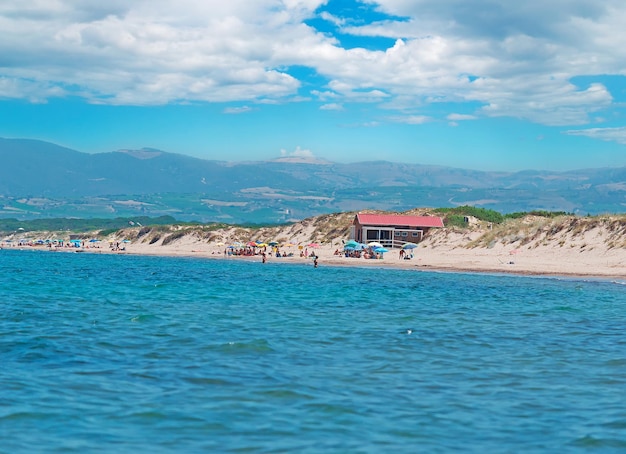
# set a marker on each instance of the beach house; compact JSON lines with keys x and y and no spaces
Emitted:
{"x":392,"y":230}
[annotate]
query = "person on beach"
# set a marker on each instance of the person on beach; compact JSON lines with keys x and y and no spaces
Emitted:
{"x":315,"y":262}
{"x":263,"y":255}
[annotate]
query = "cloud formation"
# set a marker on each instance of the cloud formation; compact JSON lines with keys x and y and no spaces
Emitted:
{"x":238,"y":110}
{"x":298,"y":152}
{"x":503,"y":59}
{"x":607,"y":134}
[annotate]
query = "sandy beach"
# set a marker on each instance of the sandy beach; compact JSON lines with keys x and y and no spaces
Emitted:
{"x":583,"y":247}
{"x":564,"y":261}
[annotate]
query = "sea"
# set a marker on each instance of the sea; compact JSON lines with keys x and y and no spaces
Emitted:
{"x":124,"y":353}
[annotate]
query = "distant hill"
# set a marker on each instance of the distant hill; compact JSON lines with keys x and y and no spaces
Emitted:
{"x":40,"y":179}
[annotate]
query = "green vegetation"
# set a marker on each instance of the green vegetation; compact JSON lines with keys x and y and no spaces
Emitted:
{"x":453,"y":217}
{"x":482,"y":214}
{"x":456,"y":216}
{"x":81,"y":225}
{"x":173,"y":237}
{"x":538,"y":213}
{"x":455,"y":220}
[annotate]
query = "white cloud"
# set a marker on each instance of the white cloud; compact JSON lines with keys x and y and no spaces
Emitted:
{"x":460,"y":117}
{"x":331,"y":18}
{"x":238,"y":110}
{"x":515,"y":60}
{"x":411,"y":119}
{"x":506,"y":59}
{"x":607,"y":134}
{"x":155,"y":52}
{"x":332,"y":106}
{"x":298,"y":152}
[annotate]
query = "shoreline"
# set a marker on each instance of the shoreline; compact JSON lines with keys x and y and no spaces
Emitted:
{"x":566,"y":246}
{"x":452,"y":260}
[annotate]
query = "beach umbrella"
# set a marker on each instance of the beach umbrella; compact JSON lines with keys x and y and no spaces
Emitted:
{"x":313,"y":245}
{"x":351,"y":243}
{"x":409,"y":246}
{"x":273,"y":243}
{"x":374,"y":244}
{"x":380,"y":250}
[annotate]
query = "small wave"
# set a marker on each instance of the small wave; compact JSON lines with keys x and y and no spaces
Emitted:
{"x":254,"y":346}
{"x":589,"y":441}
{"x":143,"y":318}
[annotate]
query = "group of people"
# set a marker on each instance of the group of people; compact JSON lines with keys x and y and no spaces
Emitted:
{"x":253,"y":251}
{"x":367,"y":253}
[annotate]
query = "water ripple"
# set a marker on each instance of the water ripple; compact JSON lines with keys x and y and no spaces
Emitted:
{"x":122,"y":353}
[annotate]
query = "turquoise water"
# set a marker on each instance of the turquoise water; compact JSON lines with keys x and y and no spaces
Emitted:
{"x":106,"y":353}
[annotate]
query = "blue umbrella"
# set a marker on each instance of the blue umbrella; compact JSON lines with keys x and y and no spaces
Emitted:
{"x":380,"y":250}
{"x":409,"y":246}
{"x":354,"y":247}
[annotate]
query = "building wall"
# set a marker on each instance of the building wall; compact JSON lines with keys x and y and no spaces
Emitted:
{"x":394,"y":236}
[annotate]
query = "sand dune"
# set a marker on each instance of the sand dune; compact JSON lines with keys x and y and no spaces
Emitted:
{"x":563,"y":246}
{"x":567,"y":246}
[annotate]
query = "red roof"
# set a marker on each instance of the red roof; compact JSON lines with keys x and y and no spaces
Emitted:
{"x":399,"y":220}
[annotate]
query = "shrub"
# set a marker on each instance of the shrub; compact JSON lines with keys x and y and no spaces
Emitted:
{"x":173,"y":237}
{"x":107,"y":232}
{"x":479,"y":213}
{"x":143,"y":231}
{"x":455,"y":220}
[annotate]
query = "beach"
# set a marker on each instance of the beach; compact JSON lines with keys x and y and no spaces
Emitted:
{"x":585,"y":247}
{"x":450,"y":256}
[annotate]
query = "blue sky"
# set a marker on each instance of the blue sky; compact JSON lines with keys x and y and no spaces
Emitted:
{"x":487,"y":84}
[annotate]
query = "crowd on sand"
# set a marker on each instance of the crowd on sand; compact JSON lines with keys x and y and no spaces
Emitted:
{"x":73,"y":245}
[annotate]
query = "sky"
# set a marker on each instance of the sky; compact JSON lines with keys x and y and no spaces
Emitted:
{"x":486,"y":84}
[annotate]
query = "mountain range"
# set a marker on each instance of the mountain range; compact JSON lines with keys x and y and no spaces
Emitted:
{"x":40,"y":179}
